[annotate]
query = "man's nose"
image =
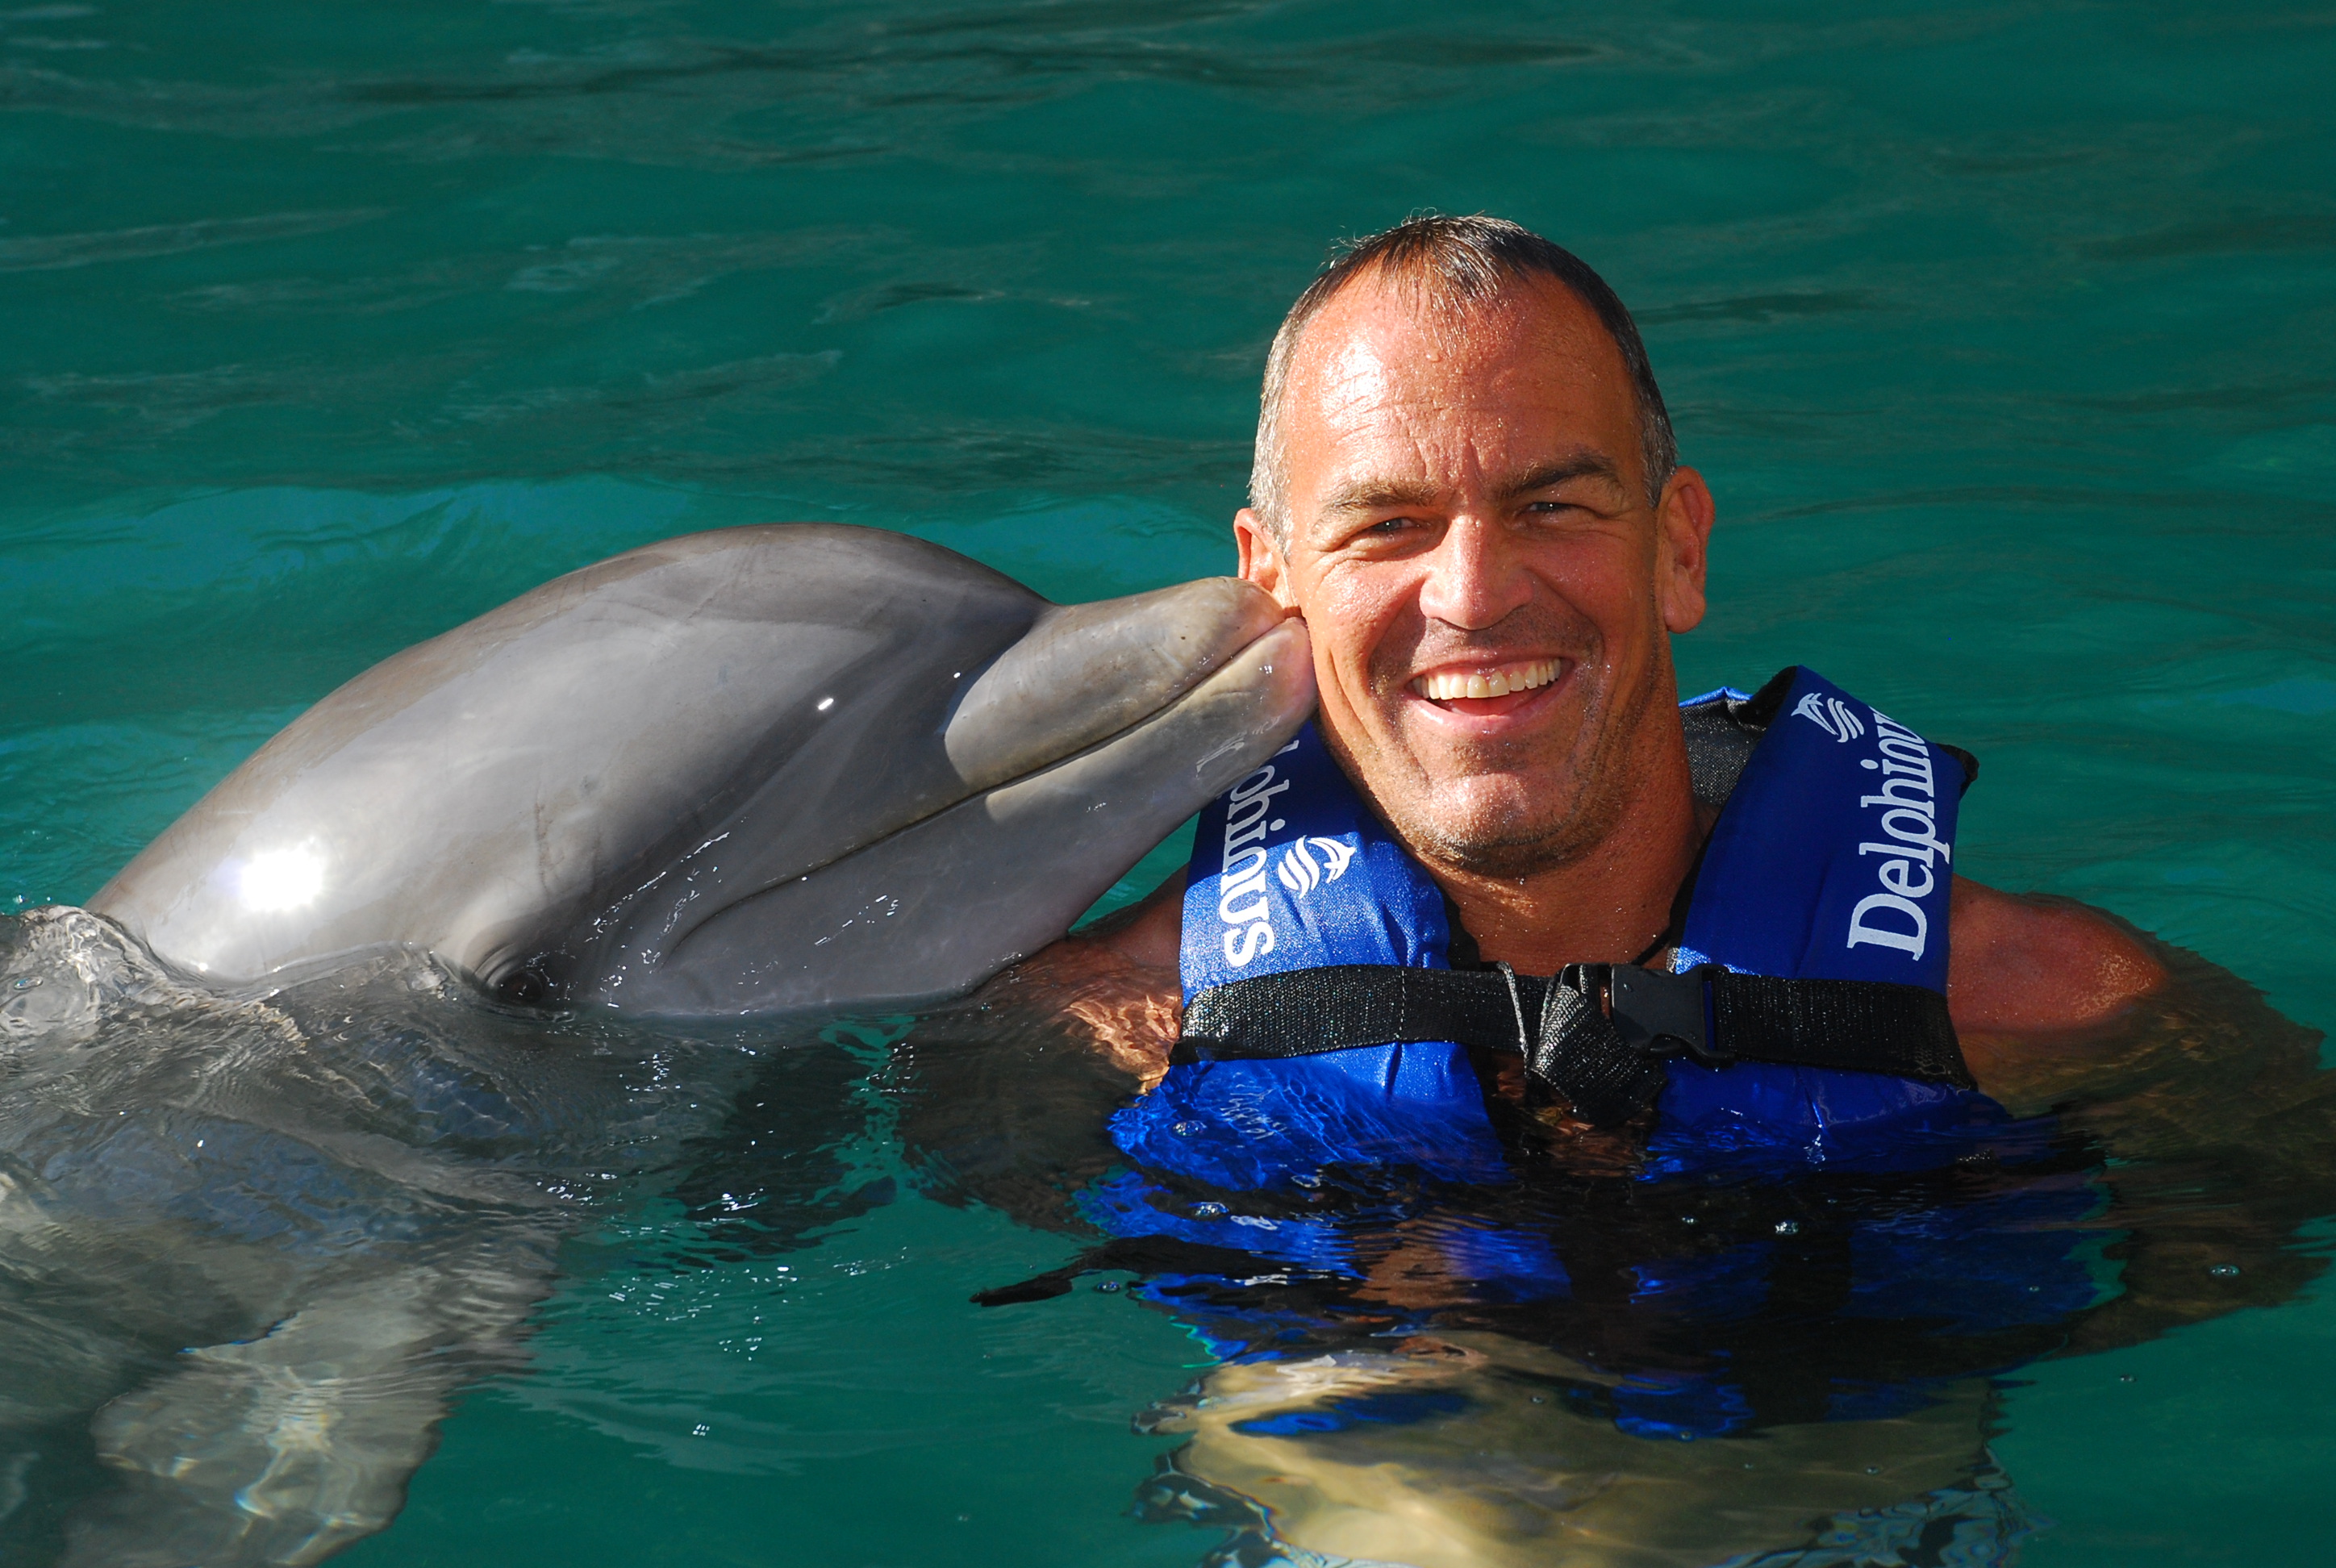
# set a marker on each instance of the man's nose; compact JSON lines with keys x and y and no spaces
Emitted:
{"x":1474,"y":581}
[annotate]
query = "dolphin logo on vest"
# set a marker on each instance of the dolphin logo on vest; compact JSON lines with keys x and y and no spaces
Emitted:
{"x":1831,"y":714}
{"x":1301,"y":872}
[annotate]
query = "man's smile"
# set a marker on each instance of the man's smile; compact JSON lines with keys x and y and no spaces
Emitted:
{"x":1487,"y":690}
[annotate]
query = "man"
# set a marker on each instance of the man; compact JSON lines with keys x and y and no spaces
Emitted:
{"x":1465,"y":482}
{"x":1451,"y":1352}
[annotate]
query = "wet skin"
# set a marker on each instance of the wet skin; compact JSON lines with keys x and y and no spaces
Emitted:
{"x":1468,"y":502}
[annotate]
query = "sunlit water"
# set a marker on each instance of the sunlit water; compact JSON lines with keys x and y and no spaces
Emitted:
{"x":2003,"y":334}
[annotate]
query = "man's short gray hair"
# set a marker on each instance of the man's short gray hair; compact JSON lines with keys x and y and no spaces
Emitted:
{"x":1461,"y":263}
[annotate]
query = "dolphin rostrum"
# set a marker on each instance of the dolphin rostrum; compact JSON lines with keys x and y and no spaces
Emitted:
{"x":746,"y":771}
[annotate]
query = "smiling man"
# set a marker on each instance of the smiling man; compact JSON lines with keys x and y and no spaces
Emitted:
{"x":1533,"y":1064}
{"x":1466,"y":484}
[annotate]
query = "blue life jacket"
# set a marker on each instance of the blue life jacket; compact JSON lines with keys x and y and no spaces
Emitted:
{"x":1831,"y":860}
{"x":1959,"y":1237}
{"x":1961,"y":1233}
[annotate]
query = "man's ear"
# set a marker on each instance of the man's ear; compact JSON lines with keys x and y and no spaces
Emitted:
{"x":1261,"y":559}
{"x":1683,"y":548}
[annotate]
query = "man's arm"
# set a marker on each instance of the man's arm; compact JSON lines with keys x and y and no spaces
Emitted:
{"x":2218,"y":1125}
{"x":1117,"y":978}
{"x":1147,"y":935}
{"x":2035,"y":986}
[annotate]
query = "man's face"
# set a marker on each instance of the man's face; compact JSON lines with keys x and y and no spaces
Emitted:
{"x":1487,"y":588}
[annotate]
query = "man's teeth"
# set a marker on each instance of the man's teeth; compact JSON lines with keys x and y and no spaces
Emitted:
{"x":1445,"y":685}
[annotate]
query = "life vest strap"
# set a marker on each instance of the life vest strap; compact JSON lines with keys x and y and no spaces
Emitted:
{"x":1597,"y":1034}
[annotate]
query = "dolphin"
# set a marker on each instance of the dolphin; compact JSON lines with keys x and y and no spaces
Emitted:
{"x":275,"y":1179}
{"x":749,"y":772}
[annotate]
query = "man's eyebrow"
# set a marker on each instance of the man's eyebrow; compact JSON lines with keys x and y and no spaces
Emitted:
{"x":1380,"y":495}
{"x":1550,"y":476}
{"x":1370,"y":494}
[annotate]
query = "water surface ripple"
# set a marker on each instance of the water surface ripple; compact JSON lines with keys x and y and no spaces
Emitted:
{"x":2002,"y":333}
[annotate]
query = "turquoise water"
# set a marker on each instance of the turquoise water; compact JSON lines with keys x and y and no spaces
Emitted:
{"x":2004,"y":337}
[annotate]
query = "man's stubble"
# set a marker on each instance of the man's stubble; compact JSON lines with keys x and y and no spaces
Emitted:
{"x":1580,"y":801}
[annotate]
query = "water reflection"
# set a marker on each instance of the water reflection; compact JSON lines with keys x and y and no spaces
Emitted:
{"x":1682,"y":1372}
{"x":1467,"y":1452}
{"x":249,"y":1248}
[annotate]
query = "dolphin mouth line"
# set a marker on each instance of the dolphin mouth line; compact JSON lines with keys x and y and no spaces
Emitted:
{"x":1196,"y":678}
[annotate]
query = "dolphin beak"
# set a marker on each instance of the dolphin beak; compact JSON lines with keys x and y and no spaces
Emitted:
{"x":1086,"y":672}
{"x":1080,"y":748}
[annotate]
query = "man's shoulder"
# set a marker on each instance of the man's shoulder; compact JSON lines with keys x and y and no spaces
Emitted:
{"x":1115,"y":981}
{"x":1148,"y":934}
{"x":2031,"y":966}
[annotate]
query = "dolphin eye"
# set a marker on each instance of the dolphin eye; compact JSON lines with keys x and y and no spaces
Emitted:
{"x":525,"y":986}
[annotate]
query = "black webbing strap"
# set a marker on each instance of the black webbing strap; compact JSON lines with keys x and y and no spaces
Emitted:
{"x":1860,"y":1026}
{"x":1300,"y":1012}
{"x":1596,"y":1033}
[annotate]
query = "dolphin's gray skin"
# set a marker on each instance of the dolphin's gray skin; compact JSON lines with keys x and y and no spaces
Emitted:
{"x":751,"y":771}
{"x":265,"y":1204}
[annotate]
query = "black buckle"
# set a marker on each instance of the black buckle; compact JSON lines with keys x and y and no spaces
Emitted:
{"x":1666,"y":1015}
